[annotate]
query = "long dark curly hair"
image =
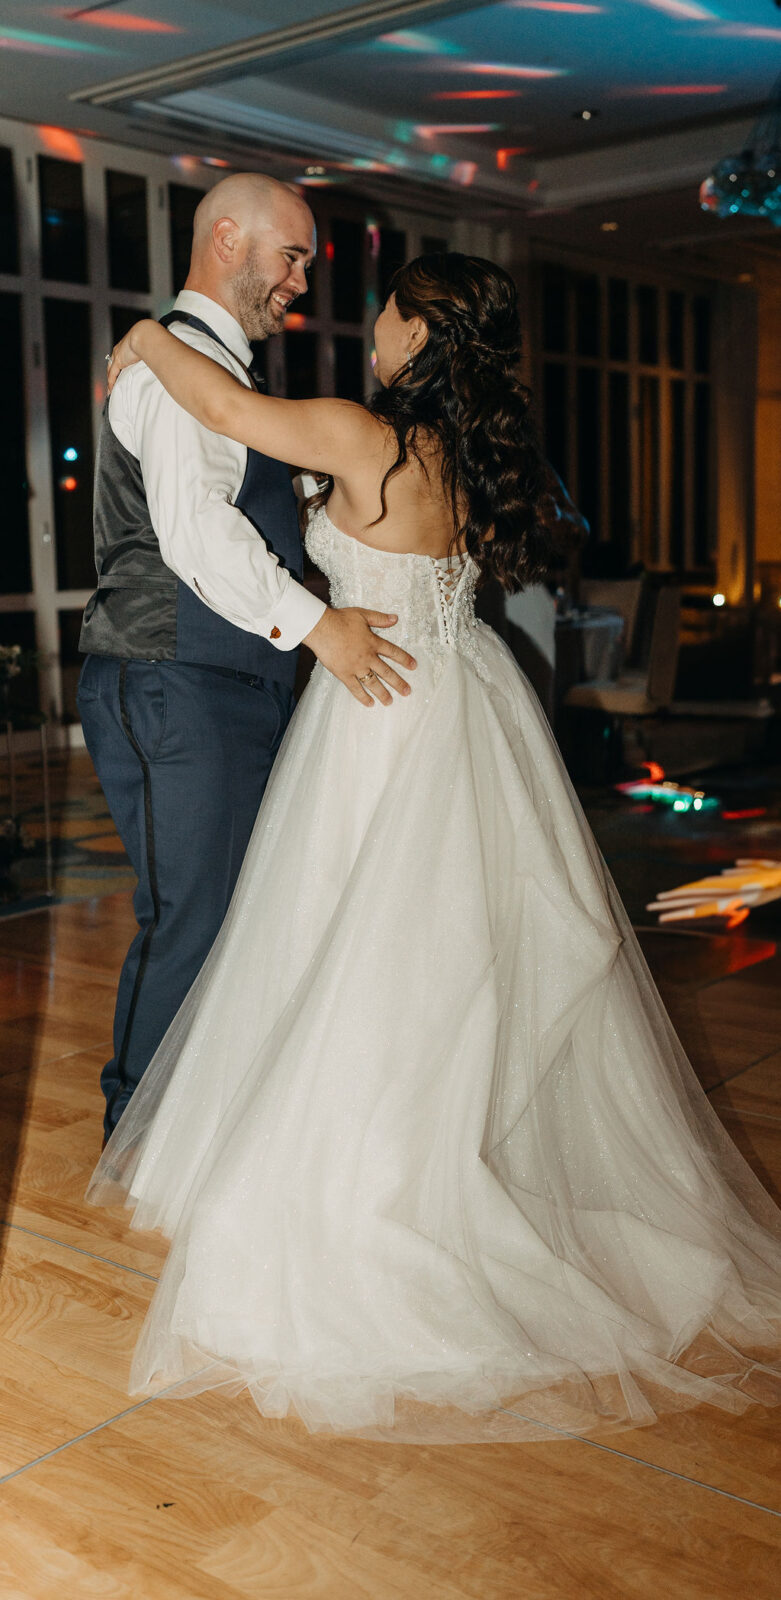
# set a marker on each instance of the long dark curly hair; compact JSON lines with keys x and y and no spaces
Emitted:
{"x":463,"y":391}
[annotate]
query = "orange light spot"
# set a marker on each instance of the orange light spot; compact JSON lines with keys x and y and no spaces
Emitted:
{"x":655,"y":772}
{"x":295,"y":319}
{"x":504,"y":156}
{"x":477,"y":94}
{"x":69,"y":483}
{"x":127,"y":22}
{"x":737,"y":917}
{"x":59,"y":142}
{"x":330,"y":250}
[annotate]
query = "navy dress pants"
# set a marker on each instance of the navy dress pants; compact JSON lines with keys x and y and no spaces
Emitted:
{"x":183,"y":754}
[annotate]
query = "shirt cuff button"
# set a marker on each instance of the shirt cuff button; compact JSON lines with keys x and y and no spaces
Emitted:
{"x":276,"y":633}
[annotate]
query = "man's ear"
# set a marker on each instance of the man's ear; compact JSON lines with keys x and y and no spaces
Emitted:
{"x":226,"y":239}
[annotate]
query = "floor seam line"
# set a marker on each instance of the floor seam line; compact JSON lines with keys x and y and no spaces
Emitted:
{"x":748,"y":1068}
{"x":49,"y":1238}
{"x":87,"y":1434}
{"x":668,"y":1472}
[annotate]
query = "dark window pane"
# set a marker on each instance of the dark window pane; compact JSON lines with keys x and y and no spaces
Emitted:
{"x":182,"y":203}
{"x":649,"y":468}
{"x":556,"y":417}
{"x":301,"y":364}
{"x":587,"y":315}
{"x":393,"y":254}
{"x":347,"y":241}
{"x":619,"y":481}
{"x":702,"y":475}
{"x":647,"y":301}
{"x":128,"y":234}
{"x":67,"y":330}
{"x":63,"y":221}
{"x":676,"y":305}
{"x":71,"y":661}
{"x":432,"y":245}
{"x":15,"y":577}
{"x":701,"y":333}
{"x":122,"y":320}
{"x":555,"y":296}
{"x":618,"y":319}
{"x":9,"y":233}
{"x":348,"y":375}
{"x":18,"y":627}
{"x":589,"y":438}
{"x":678,"y":473}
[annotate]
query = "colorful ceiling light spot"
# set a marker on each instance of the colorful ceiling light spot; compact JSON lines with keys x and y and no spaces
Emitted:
{"x":428,"y":43}
{"x":746,"y":30}
{"x":570,"y":6}
{"x":684,"y":10}
{"x":663,"y":90}
{"x":48,"y":44}
{"x":59,"y":142}
{"x":124,"y":21}
{"x":464,"y":172}
{"x":477,"y":94}
{"x":505,"y":155}
{"x":432,"y":130}
{"x":294,"y":319}
{"x":502,"y":70}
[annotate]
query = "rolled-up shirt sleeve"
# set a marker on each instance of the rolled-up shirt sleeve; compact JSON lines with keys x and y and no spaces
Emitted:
{"x":191,"y":478}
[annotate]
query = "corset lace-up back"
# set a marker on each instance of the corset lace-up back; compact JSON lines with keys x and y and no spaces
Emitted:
{"x":433,"y":597}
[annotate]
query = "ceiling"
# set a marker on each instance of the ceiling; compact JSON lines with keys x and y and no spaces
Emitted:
{"x":476,"y":105}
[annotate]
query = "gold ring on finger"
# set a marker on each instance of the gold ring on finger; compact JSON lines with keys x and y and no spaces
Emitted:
{"x":367,"y":676}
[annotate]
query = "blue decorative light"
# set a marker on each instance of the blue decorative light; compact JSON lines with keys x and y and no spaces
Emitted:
{"x":750,"y":182}
{"x":70,"y":454}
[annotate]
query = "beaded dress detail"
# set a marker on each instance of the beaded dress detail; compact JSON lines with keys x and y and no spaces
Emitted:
{"x":431,"y":1158}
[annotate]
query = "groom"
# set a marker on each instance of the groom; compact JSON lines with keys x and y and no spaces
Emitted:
{"x":192,"y":633}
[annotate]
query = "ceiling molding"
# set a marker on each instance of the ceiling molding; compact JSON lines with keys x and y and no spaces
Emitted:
{"x":306,"y":131}
{"x":639,"y":166}
{"x":235,"y":59}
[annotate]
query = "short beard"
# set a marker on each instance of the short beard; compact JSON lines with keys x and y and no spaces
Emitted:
{"x":253,"y":300}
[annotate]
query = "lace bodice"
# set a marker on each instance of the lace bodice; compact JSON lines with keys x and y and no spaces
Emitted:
{"x":433,"y":597}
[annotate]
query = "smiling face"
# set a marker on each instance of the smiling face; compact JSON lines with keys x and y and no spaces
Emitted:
{"x":272,"y":272}
{"x":395,"y":340}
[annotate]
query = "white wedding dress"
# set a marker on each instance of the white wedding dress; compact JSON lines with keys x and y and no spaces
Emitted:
{"x":430,"y":1155}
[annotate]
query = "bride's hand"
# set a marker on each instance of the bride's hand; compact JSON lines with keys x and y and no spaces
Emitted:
{"x":126,"y":353}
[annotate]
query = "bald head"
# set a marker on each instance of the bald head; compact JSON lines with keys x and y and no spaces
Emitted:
{"x":253,"y":239}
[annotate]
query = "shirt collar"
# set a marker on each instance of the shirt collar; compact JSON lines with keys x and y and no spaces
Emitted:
{"x":218,"y":319}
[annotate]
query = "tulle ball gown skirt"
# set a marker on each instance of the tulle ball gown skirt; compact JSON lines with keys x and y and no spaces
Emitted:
{"x":430,"y":1156}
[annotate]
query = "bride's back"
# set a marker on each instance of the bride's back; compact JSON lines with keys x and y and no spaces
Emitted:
{"x":418,"y":516}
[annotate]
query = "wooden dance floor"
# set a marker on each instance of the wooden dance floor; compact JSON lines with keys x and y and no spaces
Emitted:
{"x":200,"y":1499}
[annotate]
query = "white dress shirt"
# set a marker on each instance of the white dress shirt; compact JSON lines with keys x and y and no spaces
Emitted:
{"x":191,"y":477}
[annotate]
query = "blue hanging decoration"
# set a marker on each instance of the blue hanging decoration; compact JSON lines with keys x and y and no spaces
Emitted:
{"x":750,"y":183}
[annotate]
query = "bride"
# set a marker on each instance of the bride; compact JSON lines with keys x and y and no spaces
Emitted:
{"x":431,"y":1159}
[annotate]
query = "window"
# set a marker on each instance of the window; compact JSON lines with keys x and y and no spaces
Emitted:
{"x":13,"y":469}
{"x":63,"y":220}
{"x":128,"y":234}
{"x":301,"y":365}
{"x":348,"y":358}
{"x":627,"y":419}
{"x":347,"y":286}
{"x":182,"y":204}
{"x":9,"y":231}
{"x":67,"y":331}
{"x":393,"y":254}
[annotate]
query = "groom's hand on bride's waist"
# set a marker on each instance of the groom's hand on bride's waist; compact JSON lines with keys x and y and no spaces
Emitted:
{"x":347,"y":645}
